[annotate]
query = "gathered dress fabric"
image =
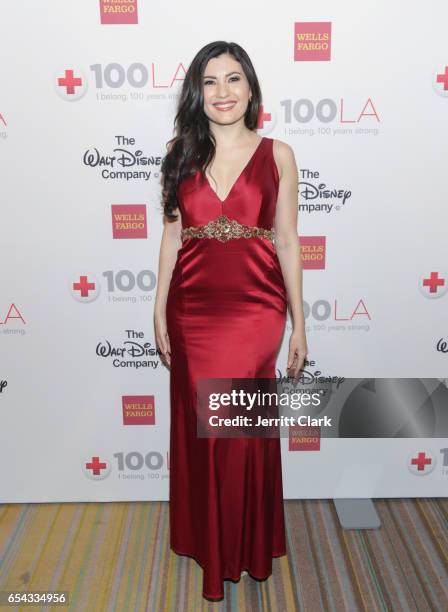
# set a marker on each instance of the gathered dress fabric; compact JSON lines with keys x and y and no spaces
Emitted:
{"x":226,"y":314}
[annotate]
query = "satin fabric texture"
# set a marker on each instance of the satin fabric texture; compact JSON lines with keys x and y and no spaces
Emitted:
{"x":226,"y":315}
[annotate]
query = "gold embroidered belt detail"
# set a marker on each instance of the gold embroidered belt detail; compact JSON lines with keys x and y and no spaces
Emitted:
{"x":224,"y":229}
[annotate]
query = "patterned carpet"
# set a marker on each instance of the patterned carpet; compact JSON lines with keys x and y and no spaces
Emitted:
{"x":115,"y":556}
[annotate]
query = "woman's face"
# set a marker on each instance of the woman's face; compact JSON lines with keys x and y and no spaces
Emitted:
{"x":226,"y":90}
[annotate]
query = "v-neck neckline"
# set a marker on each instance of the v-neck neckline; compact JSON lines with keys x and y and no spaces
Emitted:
{"x":238,"y":177}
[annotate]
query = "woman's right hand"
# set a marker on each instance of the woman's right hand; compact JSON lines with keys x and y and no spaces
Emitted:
{"x":162,"y":338}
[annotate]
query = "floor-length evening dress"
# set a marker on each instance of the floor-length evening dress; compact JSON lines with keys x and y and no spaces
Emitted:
{"x":226,"y":314}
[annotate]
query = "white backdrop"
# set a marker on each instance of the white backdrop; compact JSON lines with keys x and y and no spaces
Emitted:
{"x":84,"y":400}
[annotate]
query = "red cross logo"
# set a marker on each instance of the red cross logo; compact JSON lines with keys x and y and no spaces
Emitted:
{"x":439,"y":82}
{"x":69,"y":82}
{"x":420,"y":461}
{"x":262,"y":117}
{"x":83,"y":286}
{"x":96,"y":466}
{"x":443,"y":78}
{"x":434,"y":284}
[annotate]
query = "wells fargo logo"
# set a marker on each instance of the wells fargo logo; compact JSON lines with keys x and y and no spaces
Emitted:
{"x":138,"y":410}
{"x":312,"y":41}
{"x":129,"y":221}
{"x":304,"y":438}
{"x":118,"y":11}
{"x":313,"y":249}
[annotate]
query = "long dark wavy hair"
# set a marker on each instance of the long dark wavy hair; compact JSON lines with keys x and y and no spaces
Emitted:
{"x":192,"y":147}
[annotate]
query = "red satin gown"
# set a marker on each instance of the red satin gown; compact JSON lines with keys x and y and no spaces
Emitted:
{"x":226,"y":313}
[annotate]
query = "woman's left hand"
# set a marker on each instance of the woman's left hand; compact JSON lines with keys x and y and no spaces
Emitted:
{"x":298,"y":350}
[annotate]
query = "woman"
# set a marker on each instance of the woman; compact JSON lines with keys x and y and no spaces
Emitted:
{"x":220,"y":311}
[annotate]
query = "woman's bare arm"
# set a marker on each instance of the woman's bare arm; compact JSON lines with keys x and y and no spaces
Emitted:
{"x":287,"y":246}
{"x":169,"y":246}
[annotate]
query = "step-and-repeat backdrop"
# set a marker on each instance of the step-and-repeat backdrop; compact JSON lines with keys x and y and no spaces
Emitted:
{"x":87,"y":101}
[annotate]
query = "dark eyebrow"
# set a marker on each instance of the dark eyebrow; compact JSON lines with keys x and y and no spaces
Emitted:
{"x":228,"y":74}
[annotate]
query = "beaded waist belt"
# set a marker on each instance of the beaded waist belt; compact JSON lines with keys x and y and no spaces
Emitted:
{"x":224,"y":229}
